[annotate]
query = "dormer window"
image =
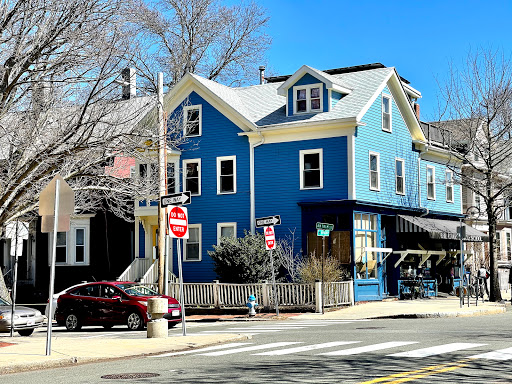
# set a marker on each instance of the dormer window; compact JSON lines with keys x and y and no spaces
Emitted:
{"x":307,"y":98}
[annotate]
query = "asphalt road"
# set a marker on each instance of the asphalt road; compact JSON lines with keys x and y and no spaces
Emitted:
{"x":448,"y":350}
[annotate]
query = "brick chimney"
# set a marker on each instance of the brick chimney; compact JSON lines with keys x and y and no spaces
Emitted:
{"x":417,"y":110}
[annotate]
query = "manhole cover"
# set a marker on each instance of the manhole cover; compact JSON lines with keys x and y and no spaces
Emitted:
{"x":128,"y":376}
{"x":371,"y":328}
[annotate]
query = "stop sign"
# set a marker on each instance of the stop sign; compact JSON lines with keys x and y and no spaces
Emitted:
{"x":270,"y":238}
{"x":178,"y":222}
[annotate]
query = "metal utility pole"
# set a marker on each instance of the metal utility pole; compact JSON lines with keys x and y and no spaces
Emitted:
{"x":15,"y":280}
{"x":162,"y":168}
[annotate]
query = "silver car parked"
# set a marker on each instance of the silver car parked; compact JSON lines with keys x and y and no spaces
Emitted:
{"x":25,"y":319}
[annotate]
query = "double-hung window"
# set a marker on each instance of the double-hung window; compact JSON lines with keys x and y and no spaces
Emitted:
{"x":192,"y":124}
{"x":72,"y":247}
{"x":311,"y":169}
{"x":171,"y":178}
{"x":226,"y":174}
{"x":449,"y":186}
{"x":386,"y":113}
{"x":431,"y":185}
{"x":400,"y":176}
{"x":374,"y":168}
{"x":192,"y":176}
{"x":193,"y":243}
{"x":225,"y":230}
{"x":307,"y":98}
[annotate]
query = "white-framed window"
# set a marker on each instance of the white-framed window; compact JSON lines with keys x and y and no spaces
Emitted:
{"x":374,"y":169}
{"x":431,"y":185}
{"x":72,"y":246}
{"x":476,"y":200}
{"x":226,"y":174}
{"x":386,"y":113}
{"x":225,"y":230}
{"x":192,"y":176}
{"x":172,"y":177}
{"x":400,"y":176}
{"x":449,"y":186}
{"x":509,"y":250}
{"x":192,"y":120}
{"x":311,"y":169}
{"x":308,"y":98}
{"x":192,"y":245}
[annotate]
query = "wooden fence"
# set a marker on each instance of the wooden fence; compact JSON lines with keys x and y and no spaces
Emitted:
{"x":223,"y":295}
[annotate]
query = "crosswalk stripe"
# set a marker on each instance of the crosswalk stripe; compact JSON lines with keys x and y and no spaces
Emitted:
{"x":501,"y":354}
{"x":305,"y":348}
{"x":265,"y":328}
{"x":437,"y":350}
{"x":249,"y":349}
{"x":213,"y":348}
{"x":245,"y":330}
{"x":368,"y":348}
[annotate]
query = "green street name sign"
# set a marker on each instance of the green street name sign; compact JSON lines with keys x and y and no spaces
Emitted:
{"x":327,"y":226}
{"x":322,"y":232}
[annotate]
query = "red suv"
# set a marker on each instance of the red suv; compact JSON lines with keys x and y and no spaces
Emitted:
{"x":110,"y":303}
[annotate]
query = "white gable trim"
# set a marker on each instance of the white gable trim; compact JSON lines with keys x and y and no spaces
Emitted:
{"x":189,"y":84}
{"x":400,"y":98}
{"x":283,"y":88}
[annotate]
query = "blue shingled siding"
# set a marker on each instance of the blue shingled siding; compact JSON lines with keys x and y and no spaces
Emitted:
{"x":439,"y":204}
{"x":389,"y":146}
{"x":219,"y":138}
{"x":335,"y":97}
{"x":277,"y":189}
{"x":306,"y":80}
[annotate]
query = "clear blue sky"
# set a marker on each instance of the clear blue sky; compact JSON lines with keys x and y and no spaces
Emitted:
{"x":419,"y":38}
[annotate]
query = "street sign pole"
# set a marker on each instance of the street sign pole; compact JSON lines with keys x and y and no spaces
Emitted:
{"x":274,"y":284}
{"x":52,"y":269}
{"x":15,"y":281}
{"x":323,"y":288}
{"x":182,"y":296}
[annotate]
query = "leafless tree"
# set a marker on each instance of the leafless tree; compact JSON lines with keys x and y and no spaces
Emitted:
{"x":477,"y":113}
{"x":217,"y":41}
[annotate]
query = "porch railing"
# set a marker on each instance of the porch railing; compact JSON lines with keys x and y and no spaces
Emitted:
{"x":223,"y":295}
{"x":136,"y":270}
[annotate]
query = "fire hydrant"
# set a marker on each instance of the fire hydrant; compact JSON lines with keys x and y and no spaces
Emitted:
{"x":251,"y":303}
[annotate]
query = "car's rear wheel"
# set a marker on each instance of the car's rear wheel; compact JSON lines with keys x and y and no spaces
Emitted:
{"x":171,"y":324}
{"x":72,"y":322}
{"x":135,"y":322}
{"x":26,"y":332}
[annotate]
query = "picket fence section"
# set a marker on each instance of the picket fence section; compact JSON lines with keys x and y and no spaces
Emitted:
{"x":223,"y":295}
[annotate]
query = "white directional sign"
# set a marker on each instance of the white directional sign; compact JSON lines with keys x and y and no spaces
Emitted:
{"x":270,"y":237}
{"x":181,"y":198}
{"x":266,"y":221}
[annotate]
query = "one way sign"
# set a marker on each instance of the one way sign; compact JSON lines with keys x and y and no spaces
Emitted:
{"x":175,"y":199}
{"x":266,"y":221}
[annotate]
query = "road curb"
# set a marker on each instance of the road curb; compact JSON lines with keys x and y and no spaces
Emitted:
{"x":61,"y":362}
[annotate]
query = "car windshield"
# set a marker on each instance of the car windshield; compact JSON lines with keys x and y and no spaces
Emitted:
{"x":2,"y":302}
{"x":137,"y":290}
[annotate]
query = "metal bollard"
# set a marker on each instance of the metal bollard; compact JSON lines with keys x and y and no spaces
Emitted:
{"x":251,"y":303}
{"x":157,"y":327}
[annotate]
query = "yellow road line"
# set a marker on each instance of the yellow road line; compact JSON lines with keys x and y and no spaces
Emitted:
{"x":418,"y":374}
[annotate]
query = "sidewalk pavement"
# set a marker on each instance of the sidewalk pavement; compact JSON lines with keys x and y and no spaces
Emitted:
{"x":28,"y":353}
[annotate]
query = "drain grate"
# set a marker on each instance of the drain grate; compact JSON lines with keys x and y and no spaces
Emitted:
{"x":371,"y":328}
{"x":127,"y":376}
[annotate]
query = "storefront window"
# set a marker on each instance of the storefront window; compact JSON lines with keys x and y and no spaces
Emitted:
{"x":366,"y":235}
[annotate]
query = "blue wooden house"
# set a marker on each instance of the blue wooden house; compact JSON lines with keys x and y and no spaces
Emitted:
{"x":342,"y":146}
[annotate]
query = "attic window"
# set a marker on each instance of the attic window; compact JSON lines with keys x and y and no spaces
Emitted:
{"x":192,"y":120}
{"x":307,"y":98}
